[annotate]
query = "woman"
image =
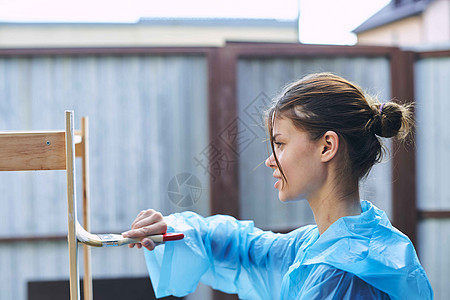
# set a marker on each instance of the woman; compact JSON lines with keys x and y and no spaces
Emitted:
{"x":323,"y":131}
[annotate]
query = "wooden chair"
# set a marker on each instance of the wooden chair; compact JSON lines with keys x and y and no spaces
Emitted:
{"x":57,"y":150}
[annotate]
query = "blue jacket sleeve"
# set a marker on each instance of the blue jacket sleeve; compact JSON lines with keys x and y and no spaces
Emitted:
{"x":229,"y":255}
{"x":326,"y":282}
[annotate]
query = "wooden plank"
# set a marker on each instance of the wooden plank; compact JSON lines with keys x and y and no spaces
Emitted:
{"x":28,"y":151}
{"x":79,"y":143}
{"x":87,"y":281}
{"x":71,"y":206}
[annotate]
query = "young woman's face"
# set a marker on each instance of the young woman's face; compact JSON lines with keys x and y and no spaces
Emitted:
{"x":300,"y":160}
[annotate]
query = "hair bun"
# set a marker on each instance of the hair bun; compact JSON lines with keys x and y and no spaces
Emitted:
{"x":390,"y":119}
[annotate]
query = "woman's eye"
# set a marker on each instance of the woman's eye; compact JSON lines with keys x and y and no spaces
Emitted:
{"x":278,"y":144}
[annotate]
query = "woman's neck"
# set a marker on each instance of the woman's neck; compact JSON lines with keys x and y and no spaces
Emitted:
{"x":330,"y":205}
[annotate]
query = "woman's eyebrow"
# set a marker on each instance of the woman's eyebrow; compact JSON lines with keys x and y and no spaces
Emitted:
{"x":274,"y":137}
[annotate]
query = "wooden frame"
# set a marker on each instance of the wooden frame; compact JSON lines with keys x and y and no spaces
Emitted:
{"x":56,"y":150}
{"x":71,"y":207}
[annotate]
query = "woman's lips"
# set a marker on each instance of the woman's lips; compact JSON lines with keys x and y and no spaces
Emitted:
{"x":277,"y":183}
{"x":278,"y":180}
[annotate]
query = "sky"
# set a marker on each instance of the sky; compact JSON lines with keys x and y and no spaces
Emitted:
{"x":321,"y":21}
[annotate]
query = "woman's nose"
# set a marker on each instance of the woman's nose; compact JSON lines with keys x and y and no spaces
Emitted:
{"x":270,"y":161}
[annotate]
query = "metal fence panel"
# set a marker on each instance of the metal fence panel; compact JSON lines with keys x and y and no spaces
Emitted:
{"x":148,"y":120}
{"x":432,"y":89}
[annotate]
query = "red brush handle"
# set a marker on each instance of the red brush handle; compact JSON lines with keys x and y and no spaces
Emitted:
{"x":172,"y":236}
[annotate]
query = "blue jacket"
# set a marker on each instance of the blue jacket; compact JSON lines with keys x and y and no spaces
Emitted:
{"x":357,"y":257}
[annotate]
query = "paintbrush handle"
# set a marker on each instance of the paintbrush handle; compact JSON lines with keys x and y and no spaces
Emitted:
{"x":158,"y":238}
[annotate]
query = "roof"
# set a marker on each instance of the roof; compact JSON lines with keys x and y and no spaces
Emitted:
{"x":392,"y":12}
{"x":197,"y":22}
{"x":220,"y":22}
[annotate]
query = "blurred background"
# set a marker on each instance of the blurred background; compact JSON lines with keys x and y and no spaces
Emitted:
{"x":174,"y":92}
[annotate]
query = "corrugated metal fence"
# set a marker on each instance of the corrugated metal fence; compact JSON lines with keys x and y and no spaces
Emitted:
{"x":433,"y":162}
{"x":156,"y":113}
{"x":148,"y":119}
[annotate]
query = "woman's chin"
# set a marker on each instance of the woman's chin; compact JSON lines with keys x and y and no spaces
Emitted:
{"x":284,"y":197}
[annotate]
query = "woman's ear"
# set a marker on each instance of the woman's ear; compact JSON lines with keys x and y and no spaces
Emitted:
{"x":329,"y":145}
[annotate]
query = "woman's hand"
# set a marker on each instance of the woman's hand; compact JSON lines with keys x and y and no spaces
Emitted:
{"x":147,"y":222}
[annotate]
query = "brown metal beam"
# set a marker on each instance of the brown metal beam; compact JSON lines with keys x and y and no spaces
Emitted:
{"x":427,"y":54}
{"x":105,"y":51}
{"x":224,"y":181}
{"x":433,"y":214}
{"x":301,"y":50}
{"x":223,"y":168}
{"x":404,"y":208}
{"x":32,"y":238}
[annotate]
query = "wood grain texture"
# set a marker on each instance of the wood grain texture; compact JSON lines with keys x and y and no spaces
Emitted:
{"x":72,"y":208}
{"x":87,"y":280}
{"x":29,"y":151}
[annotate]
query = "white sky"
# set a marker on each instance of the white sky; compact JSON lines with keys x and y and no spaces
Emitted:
{"x":321,"y":21}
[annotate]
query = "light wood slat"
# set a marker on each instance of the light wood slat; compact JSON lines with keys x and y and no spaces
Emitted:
{"x":87,"y":280}
{"x":72,"y":212}
{"x":79,"y":149}
{"x":28,"y":151}
{"x":79,"y":143}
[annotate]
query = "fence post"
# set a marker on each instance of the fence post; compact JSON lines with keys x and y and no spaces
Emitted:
{"x":404,"y":195}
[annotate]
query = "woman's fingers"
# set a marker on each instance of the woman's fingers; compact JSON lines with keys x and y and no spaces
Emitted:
{"x":148,"y":243}
{"x":148,"y":222}
{"x":152,"y":229}
{"x":143,"y":214}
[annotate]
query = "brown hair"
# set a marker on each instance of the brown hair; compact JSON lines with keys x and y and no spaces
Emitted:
{"x":325,"y":102}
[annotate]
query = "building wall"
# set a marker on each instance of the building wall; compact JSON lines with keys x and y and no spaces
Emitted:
{"x":432,"y":27}
{"x":135,"y":35}
{"x":406,"y":32}
{"x":436,"y":22}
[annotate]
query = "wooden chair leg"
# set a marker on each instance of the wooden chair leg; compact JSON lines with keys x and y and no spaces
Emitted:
{"x":72,"y":212}
{"x":87,"y":280}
